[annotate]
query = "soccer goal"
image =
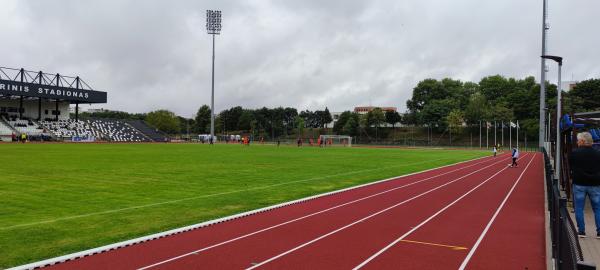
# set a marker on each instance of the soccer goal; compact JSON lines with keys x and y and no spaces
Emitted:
{"x":336,"y":140}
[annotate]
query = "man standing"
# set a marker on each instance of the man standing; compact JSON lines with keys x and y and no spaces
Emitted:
{"x":585,"y":171}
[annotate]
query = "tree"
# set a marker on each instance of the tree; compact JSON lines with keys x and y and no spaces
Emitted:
{"x":164,"y":120}
{"x":500,"y":112}
{"x":455,"y":120}
{"x":245,"y":120}
{"x":338,"y":126}
{"x":392,"y":118}
{"x":426,"y":91}
{"x":326,"y":117}
{"x":477,"y":109}
{"x":585,"y":96}
{"x":351,"y":126}
{"x":494,"y":87}
{"x":300,"y":125}
{"x":375,"y":118}
{"x":436,"y":111}
{"x":202,"y":120}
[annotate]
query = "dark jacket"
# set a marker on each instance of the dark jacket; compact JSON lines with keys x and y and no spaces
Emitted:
{"x":585,"y":166}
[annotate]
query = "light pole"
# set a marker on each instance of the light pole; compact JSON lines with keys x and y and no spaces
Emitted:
{"x":542,"y":136}
{"x":558,"y":60}
{"x":213,"y":27}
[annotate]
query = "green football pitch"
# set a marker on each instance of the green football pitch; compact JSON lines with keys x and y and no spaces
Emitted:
{"x":57,"y":199}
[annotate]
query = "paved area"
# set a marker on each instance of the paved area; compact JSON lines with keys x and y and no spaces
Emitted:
{"x":590,"y":245}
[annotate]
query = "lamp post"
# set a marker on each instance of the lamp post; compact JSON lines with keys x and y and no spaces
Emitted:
{"x":213,"y":27}
{"x":558,"y":60}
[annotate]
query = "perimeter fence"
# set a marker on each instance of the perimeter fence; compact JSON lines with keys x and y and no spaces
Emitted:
{"x":566,"y":251}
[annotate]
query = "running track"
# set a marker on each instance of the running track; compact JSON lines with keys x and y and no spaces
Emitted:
{"x":479,"y":214}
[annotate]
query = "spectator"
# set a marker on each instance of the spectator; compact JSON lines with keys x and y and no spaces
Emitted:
{"x":586,"y":180}
{"x":495,"y":151}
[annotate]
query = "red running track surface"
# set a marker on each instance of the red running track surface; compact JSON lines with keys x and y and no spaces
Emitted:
{"x":475,"y":215}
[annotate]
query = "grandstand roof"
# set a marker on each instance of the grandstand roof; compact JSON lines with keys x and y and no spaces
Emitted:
{"x":31,"y":84}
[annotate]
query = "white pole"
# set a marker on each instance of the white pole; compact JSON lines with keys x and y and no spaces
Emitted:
{"x":517,"y":134}
{"x":479,"y":134}
{"x":510,"y":134}
{"x":487,"y":131}
{"x":495,"y":131}
{"x":542,"y":122}
{"x":212,"y":95}
{"x":502,"y":127}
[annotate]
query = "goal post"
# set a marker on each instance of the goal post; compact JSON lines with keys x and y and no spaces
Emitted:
{"x":336,"y":140}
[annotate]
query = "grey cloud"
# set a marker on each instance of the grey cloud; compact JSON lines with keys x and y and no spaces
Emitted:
{"x":304,"y":54}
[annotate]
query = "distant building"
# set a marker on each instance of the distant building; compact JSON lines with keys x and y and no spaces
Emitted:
{"x":361,"y":110}
{"x":568,"y":85}
{"x":366,"y":109}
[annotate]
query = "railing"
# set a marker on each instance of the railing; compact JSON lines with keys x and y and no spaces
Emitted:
{"x":566,"y":251}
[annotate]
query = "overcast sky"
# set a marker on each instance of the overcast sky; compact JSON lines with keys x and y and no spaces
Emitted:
{"x":306,"y":54}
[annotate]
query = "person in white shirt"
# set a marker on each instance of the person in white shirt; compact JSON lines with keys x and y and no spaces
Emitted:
{"x":515,"y":156}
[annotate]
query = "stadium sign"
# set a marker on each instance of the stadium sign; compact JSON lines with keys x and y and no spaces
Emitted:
{"x":15,"y":88}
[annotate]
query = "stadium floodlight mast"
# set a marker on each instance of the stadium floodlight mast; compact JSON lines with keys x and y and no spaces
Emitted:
{"x":545,"y":27}
{"x":558,"y":60}
{"x":213,"y":27}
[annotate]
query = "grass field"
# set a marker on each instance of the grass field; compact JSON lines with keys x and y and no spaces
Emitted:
{"x":57,"y":199}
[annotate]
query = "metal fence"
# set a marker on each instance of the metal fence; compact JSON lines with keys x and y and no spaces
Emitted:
{"x":566,"y":251}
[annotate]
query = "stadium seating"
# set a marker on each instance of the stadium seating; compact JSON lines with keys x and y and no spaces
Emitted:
{"x":117,"y":131}
{"x":96,"y":129}
{"x":68,"y":128}
{"x":153,"y":134}
{"x":5,"y":130}
{"x":28,"y":127}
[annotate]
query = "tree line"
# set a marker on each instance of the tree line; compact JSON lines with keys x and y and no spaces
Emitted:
{"x":440,"y":104}
{"x":447,"y":103}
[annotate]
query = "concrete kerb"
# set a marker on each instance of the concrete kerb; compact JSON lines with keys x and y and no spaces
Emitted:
{"x":143,"y":239}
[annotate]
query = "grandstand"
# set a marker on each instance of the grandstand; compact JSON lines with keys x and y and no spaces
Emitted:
{"x":150,"y":132}
{"x":117,"y":131}
{"x":38,"y":104}
{"x":6,"y":130}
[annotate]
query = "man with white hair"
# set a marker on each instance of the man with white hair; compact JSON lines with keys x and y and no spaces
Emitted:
{"x":585,"y":171}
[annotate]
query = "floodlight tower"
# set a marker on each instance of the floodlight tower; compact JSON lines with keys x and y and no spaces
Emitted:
{"x":545,"y":27}
{"x":213,"y":27}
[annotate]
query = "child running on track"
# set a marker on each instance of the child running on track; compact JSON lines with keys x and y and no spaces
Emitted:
{"x":495,"y":151}
{"x":515,"y":155}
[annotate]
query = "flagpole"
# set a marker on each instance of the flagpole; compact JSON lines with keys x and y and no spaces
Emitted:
{"x":479,"y":134}
{"x":487,"y":137}
{"x":517,"y":134}
{"x":510,"y":135}
{"x":495,"y":131}
{"x":502,"y":127}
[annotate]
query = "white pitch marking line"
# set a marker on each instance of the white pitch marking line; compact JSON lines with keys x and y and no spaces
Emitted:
{"x":424,"y":222}
{"x":204,"y":196}
{"x":306,"y":216}
{"x":365,"y":218}
{"x":474,"y":248}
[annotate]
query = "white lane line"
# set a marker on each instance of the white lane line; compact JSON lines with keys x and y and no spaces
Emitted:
{"x":367,"y":217}
{"x":365,"y":262}
{"x":474,"y":248}
{"x":307,"y":216}
{"x":206,"y":196}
